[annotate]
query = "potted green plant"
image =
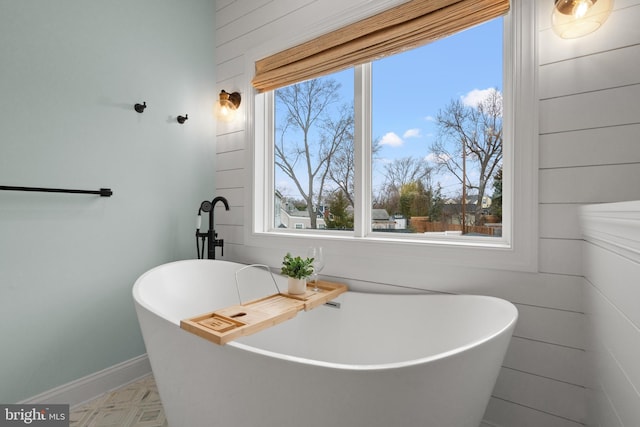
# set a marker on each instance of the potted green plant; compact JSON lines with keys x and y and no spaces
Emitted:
{"x":297,"y":270}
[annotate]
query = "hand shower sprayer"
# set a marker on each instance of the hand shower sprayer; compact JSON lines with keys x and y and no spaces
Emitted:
{"x":211,"y":235}
{"x":205,"y":206}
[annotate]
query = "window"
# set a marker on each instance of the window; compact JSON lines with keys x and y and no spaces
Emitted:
{"x":437,"y":135}
{"x":419,"y":124}
{"x":387,"y":182}
{"x":313,"y":144}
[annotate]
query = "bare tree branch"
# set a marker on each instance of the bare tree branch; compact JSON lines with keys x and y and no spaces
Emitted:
{"x":311,"y":136}
{"x":477,"y":130}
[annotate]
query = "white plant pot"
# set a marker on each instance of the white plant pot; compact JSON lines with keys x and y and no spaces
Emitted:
{"x":297,"y":286}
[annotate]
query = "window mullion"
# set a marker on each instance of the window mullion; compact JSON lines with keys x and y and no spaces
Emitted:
{"x":362,"y":150}
{"x":268,"y":217}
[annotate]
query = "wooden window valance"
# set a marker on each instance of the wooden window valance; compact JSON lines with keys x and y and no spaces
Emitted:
{"x":403,"y":27}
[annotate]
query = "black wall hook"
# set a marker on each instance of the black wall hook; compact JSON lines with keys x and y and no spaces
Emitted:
{"x":140,"y":107}
{"x":182,"y":119}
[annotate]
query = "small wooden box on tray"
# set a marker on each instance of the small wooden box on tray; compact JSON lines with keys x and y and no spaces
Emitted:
{"x":227,"y":324}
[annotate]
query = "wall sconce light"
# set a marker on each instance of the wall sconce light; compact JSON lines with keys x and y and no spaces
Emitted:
{"x":227,"y":106}
{"x":576,"y":18}
{"x":140,"y":107}
{"x":182,"y":119}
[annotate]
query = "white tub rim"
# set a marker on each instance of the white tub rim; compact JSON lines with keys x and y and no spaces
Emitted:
{"x":333,"y":365}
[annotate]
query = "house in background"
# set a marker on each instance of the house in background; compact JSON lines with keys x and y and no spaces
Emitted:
{"x":298,"y":220}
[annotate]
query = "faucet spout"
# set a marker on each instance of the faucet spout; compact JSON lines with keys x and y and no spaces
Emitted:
{"x":220,"y":199}
{"x":212,"y":235}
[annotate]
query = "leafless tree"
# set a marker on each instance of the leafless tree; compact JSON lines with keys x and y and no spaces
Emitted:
{"x":309,"y":136}
{"x":342,"y":167}
{"x":470,"y":137}
{"x":406,"y":170}
{"x":398,"y":175}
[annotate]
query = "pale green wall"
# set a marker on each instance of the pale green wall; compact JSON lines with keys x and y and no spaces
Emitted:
{"x":70,"y":73}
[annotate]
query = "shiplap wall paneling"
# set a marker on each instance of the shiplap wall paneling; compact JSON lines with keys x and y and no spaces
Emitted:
{"x":230,"y":69}
{"x":587,"y":110}
{"x":591,"y":147}
{"x":612,"y":305}
{"x":550,"y":326}
{"x":613,"y":299}
{"x":614,"y":343}
{"x":226,"y":142}
{"x":585,"y":157}
{"x":532,"y":356}
{"x":617,"y":347}
{"x":504,"y":413}
{"x":230,"y":12}
{"x":560,"y":256}
{"x":600,"y":70}
{"x":232,"y":160}
{"x":281,"y":24}
{"x":221,"y":4}
{"x":617,"y":278}
{"x":594,"y":184}
{"x":546,"y":395}
{"x":558,"y":221}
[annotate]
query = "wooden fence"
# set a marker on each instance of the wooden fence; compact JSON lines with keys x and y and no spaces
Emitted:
{"x":422,"y":225}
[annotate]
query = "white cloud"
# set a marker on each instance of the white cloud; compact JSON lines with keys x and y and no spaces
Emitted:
{"x":392,"y":139}
{"x":476,"y":96}
{"x":412,"y":133}
{"x":430,"y":118}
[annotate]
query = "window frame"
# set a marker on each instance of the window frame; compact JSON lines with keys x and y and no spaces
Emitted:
{"x":516,"y":251}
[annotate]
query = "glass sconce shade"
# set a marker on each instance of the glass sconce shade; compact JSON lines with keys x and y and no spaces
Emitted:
{"x":227,"y":106}
{"x":576,"y":18}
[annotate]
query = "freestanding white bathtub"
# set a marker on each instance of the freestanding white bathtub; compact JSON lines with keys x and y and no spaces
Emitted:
{"x":379,"y":360}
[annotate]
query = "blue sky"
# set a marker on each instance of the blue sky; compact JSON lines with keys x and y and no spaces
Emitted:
{"x":410,"y":88}
{"x":404,"y":106}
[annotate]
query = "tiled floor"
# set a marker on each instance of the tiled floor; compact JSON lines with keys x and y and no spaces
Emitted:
{"x":135,"y":405}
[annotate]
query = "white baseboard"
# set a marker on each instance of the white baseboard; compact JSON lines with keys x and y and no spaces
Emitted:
{"x":96,"y":384}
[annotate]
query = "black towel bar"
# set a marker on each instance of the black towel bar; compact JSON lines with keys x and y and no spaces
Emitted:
{"x":103,"y":192}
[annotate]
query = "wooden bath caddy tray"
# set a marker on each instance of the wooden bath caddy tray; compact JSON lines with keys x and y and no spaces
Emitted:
{"x":227,"y":324}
